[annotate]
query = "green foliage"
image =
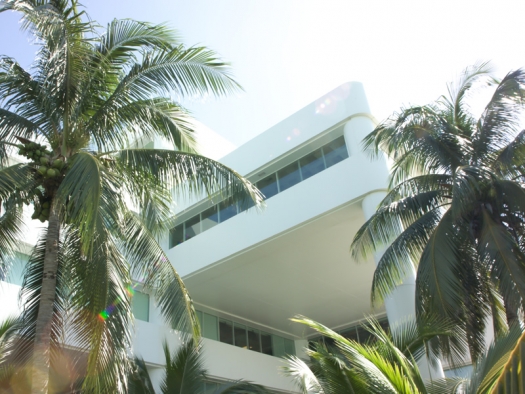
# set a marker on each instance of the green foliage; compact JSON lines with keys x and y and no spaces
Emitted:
{"x":88,"y":97}
{"x":387,"y":364}
{"x":184,"y":372}
{"x":455,"y":210}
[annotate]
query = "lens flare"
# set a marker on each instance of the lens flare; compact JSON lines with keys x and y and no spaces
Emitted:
{"x":106,"y":313}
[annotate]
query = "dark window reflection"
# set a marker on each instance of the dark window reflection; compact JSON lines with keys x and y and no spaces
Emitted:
{"x":254,"y":342}
{"x":193,"y":227}
{"x":335,"y":151}
{"x":176,"y":235}
{"x":312,"y":164}
{"x":289,"y":176}
{"x":266,"y":343}
{"x":239,"y":331}
{"x":210,"y":218}
{"x":268,"y":186}
{"x":226,"y":331}
{"x":227,"y":210}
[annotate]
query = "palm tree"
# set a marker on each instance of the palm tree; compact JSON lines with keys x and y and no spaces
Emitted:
{"x":184,"y":373}
{"x":88,"y":97}
{"x":387,"y":364}
{"x":455,"y":208}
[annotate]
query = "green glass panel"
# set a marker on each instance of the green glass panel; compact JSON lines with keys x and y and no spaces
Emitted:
{"x":15,"y":272}
{"x":140,"y":306}
{"x":289,"y":347}
{"x":209,"y":327}
{"x":278,"y":346}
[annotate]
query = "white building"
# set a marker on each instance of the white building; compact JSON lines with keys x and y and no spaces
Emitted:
{"x":249,"y":272}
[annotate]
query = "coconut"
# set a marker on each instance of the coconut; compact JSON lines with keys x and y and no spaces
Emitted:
{"x":42,"y":218}
{"x":44,"y":160}
{"x":45,"y":212}
{"x":58,"y":164}
{"x":45,"y":205}
{"x":42,"y":170}
{"x":52,"y":173}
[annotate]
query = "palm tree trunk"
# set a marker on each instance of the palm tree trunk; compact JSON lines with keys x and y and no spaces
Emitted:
{"x":42,"y":345}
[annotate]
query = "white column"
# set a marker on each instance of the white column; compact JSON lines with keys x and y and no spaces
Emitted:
{"x":300,"y":346}
{"x":156,"y":375}
{"x":400,"y":305}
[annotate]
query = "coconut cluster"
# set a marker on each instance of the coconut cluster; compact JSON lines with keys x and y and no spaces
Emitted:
{"x":49,"y":169}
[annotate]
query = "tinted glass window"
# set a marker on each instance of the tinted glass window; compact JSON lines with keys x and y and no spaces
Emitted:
{"x":140,"y":306}
{"x":335,"y":151}
{"x":193,"y":227}
{"x":289,"y":346}
{"x":289,"y":176}
{"x":209,"y":326}
{"x":210,"y":218}
{"x":312,"y":164}
{"x":226,"y":331}
{"x":176,"y":235}
{"x":254,"y":342}
{"x":227,"y":210}
{"x":239,"y":331}
{"x":278,"y":346}
{"x":268,"y":186}
{"x":266,"y":343}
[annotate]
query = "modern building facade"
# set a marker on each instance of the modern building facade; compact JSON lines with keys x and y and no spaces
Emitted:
{"x":250,"y":271}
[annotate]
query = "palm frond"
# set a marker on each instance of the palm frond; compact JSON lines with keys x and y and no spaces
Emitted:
{"x":188,"y":173}
{"x":139,"y":381}
{"x":500,"y":119}
{"x":11,"y":223}
{"x":490,"y":369}
{"x":303,"y":376}
{"x":184,"y":369}
{"x":240,"y":387}
{"x":149,"y":264}
{"x":100,"y":320}
{"x":124,"y":37}
{"x":30,"y":299}
{"x":459,"y":91}
{"x":398,"y":259}
{"x":437,"y":272}
{"x":507,"y":260}
{"x":81,"y":199}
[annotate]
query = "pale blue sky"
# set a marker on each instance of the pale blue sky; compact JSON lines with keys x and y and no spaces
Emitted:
{"x":287,"y":53}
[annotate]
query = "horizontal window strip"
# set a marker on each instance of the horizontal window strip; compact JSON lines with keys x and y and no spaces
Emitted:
{"x":275,"y":183}
{"x":243,"y":336}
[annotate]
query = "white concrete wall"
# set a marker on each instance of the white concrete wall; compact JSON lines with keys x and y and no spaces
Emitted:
{"x":345,"y":181}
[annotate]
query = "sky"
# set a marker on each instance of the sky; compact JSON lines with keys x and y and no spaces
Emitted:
{"x":288,"y":53}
